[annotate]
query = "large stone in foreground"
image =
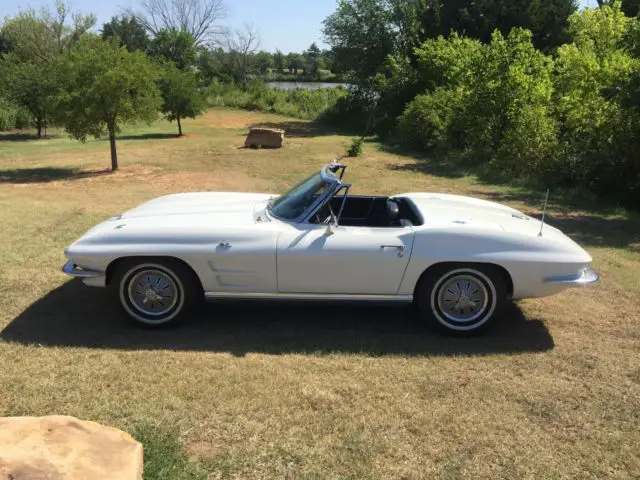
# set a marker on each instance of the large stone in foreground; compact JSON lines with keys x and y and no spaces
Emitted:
{"x":264,"y":137}
{"x":57,"y":448}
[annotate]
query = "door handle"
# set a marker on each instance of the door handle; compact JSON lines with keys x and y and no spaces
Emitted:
{"x":224,"y":245}
{"x":400,"y":248}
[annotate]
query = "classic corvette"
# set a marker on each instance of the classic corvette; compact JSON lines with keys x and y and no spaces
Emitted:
{"x":459,"y":259}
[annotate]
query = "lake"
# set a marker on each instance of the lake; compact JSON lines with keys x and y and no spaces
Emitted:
{"x":304,"y":85}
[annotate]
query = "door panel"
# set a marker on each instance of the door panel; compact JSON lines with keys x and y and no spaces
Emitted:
{"x":240,"y":262}
{"x":354,"y":260}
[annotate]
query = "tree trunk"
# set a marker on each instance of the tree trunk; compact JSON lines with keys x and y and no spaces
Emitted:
{"x":114,"y":153}
{"x":39,"y":126}
{"x":179,"y":125}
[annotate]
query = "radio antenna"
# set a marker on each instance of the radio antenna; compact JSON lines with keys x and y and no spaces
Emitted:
{"x":544,"y":212}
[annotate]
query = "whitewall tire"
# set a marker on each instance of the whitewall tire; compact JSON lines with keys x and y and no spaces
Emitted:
{"x":459,"y":298}
{"x":156,"y":292}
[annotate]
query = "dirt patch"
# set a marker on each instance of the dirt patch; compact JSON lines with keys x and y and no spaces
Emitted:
{"x":201,"y":450}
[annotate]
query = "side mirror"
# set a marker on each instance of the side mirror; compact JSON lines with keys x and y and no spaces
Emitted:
{"x":333,"y":222}
{"x":329,"y":231}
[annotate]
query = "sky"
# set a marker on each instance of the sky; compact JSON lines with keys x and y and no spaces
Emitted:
{"x":288,"y":25}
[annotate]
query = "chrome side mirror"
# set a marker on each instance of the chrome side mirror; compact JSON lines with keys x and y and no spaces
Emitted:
{"x":329,"y":231}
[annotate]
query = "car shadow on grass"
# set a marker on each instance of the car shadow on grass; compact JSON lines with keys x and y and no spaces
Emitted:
{"x":46,"y":174}
{"x":79,"y":316}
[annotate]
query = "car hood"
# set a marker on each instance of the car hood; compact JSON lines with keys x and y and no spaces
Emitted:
{"x":194,"y":215}
{"x":456,"y":210}
{"x":229,"y":207}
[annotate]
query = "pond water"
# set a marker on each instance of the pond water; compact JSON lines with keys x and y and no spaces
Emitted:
{"x":304,"y":85}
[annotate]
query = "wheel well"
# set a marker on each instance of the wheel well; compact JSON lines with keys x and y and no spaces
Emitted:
{"x":508,"y":282}
{"x":111,"y":268}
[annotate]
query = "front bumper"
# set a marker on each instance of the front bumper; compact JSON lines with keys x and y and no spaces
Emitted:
{"x":586,"y":277}
{"x":93,"y":278}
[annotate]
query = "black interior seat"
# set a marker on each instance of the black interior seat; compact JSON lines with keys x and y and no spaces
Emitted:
{"x":393,"y":212}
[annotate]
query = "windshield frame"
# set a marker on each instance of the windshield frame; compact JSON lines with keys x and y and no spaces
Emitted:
{"x":328,"y":176}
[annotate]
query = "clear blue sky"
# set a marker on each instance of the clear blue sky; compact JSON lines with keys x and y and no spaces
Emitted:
{"x":290,"y":25}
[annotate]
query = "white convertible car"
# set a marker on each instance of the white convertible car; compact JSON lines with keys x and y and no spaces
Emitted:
{"x":459,"y":259}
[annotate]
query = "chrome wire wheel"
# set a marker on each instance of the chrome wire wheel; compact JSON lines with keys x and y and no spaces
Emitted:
{"x":463,"y":299}
{"x":153,"y":292}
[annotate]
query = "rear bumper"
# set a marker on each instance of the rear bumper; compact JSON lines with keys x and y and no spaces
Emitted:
{"x":586,"y":277}
{"x":93,"y":278}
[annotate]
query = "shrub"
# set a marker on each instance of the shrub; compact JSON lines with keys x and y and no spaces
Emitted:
{"x":355,"y":149}
{"x":12,"y":116}
{"x":427,"y":120}
{"x":308,"y":104}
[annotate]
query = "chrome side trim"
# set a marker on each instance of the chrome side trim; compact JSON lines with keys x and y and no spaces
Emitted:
{"x":586,"y":277}
{"x":311,"y":296}
{"x":72,"y":269}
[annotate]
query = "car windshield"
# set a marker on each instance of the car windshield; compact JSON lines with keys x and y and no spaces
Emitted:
{"x":299,"y":199}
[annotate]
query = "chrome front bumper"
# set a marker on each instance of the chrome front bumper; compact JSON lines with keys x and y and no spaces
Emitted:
{"x":93,"y":278}
{"x":586,"y":277}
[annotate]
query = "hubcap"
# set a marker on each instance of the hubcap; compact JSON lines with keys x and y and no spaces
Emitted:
{"x":463,"y":298}
{"x":153,"y":292}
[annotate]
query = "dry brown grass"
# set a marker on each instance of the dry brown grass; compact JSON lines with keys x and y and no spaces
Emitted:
{"x":266,"y":391}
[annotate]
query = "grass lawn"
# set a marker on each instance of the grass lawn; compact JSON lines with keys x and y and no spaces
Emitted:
{"x":292,"y":391}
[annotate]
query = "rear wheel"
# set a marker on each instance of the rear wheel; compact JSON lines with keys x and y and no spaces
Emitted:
{"x":460,"y":298}
{"x":156,"y":292}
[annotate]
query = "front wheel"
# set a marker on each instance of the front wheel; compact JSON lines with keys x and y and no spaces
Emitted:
{"x":156,"y":292}
{"x":461,"y":298}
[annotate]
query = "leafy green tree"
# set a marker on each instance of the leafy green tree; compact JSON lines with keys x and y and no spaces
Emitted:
{"x":362,"y":34}
{"x":128,"y":30}
{"x":5,"y":45}
{"x":33,"y":86}
{"x":600,"y":128}
{"x":35,"y":41}
{"x":546,"y":19}
{"x":264,"y":62}
{"x":104,"y":87}
{"x":631,"y":8}
{"x":279,"y":61}
{"x":313,"y":59}
{"x":175,"y":46}
{"x":295,"y":62}
{"x":180,"y":95}
{"x":211,"y":65}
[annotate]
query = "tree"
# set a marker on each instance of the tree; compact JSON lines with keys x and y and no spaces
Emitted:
{"x":128,"y":30}
{"x":631,"y":8}
{"x":211,"y":65}
{"x":35,"y":41}
{"x":33,"y":86}
{"x":175,"y":46}
{"x":279,"y":61}
{"x":312,"y":59}
{"x":362,"y":35}
{"x":241,"y":45}
{"x":264,"y":62}
{"x":199,"y":18}
{"x":104,"y":87}
{"x":180,"y":95}
{"x":546,"y":19}
{"x":295,"y":62}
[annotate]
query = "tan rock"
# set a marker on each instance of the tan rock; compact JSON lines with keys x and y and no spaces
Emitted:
{"x":58,"y":447}
{"x":264,"y":137}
